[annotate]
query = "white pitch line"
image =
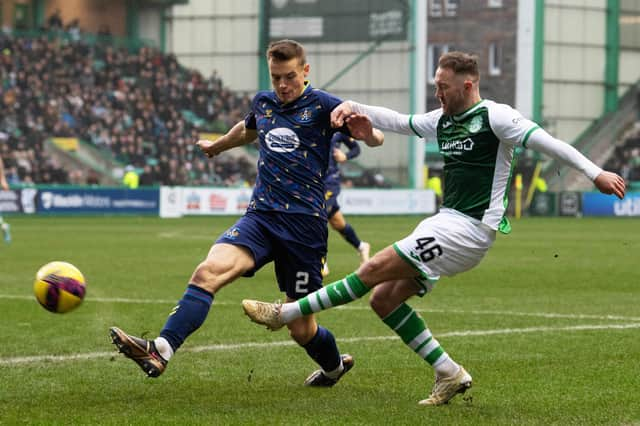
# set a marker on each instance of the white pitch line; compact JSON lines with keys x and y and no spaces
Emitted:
{"x":186,"y":237}
{"x":537,"y":314}
{"x":253,"y":345}
{"x":359,"y":308}
{"x":102,"y":299}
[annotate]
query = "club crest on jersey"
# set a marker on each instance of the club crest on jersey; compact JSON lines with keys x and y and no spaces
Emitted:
{"x":268,"y":113}
{"x":282,"y":139}
{"x":232,"y":233}
{"x":305,"y":115}
{"x":475,"y":125}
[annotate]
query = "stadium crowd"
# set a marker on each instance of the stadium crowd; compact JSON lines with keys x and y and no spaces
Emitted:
{"x":625,"y":159}
{"x":143,"y":108}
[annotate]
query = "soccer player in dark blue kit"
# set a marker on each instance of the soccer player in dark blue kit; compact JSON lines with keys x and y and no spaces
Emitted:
{"x":332,"y":189}
{"x":285,"y":222}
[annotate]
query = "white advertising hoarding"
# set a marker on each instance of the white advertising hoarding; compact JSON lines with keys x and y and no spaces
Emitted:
{"x":387,"y":201}
{"x":183,"y":201}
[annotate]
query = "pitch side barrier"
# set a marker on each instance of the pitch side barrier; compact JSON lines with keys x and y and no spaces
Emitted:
{"x":185,"y":201}
{"x":81,"y":200}
{"x":584,"y":204}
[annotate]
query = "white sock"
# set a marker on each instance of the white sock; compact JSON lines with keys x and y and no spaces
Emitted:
{"x":445,"y":366}
{"x":334,"y":374}
{"x":164,"y":348}
{"x":290,"y":311}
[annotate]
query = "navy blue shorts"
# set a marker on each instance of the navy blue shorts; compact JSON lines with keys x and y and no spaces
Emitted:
{"x":331,"y":201}
{"x":296,"y":243}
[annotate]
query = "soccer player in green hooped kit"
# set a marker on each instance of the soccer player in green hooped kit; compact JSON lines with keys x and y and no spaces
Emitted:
{"x":477,"y":138}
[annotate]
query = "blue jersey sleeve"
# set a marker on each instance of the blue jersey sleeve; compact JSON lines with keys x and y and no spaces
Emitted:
{"x":329,"y":102}
{"x":250,"y":118}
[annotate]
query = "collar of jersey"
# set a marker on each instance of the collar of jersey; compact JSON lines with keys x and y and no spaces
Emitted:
{"x":468,"y":111}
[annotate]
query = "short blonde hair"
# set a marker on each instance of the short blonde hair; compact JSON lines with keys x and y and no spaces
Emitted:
{"x":460,"y":63}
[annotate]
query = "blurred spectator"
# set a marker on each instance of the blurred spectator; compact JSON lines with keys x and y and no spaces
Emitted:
{"x":130,"y":178}
{"x":148,"y":176}
{"x":92,"y":178}
{"x":73,"y":29}
{"x":434,"y":183}
{"x":625,"y":158}
{"x":54,"y":23}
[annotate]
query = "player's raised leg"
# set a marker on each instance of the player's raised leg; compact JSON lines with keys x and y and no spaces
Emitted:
{"x":384,"y":266}
{"x":223,"y":264}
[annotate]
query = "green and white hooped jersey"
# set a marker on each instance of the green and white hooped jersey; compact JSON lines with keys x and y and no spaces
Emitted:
{"x":478,"y":148}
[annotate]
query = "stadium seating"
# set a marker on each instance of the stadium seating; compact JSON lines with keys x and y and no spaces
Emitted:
{"x":134,"y":105}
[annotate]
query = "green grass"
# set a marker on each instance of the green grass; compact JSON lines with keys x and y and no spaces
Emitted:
{"x":548,"y":325}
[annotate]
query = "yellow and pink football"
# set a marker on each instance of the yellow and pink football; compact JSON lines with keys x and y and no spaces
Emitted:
{"x":59,"y":287}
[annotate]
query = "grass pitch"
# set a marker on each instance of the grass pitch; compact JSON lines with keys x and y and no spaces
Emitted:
{"x":548,"y":325}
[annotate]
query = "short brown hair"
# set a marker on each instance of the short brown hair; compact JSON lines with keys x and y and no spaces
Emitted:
{"x":284,"y":50}
{"x":460,"y":63}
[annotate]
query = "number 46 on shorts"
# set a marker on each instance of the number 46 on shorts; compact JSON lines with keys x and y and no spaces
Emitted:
{"x":426,"y":248}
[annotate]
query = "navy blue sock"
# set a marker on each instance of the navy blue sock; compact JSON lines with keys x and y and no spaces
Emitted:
{"x":187,"y":316}
{"x":323,"y":349}
{"x":349,"y":234}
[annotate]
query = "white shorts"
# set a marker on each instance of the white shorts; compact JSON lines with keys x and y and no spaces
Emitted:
{"x":445,"y":244}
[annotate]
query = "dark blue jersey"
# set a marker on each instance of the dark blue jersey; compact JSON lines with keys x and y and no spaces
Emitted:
{"x":295,"y":143}
{"x":332,"y":180}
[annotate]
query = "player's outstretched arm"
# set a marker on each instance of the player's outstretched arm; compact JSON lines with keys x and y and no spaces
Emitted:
{"x":610,"y":183}
{"x":606,"y":182}
{"x":238,"y":135}
{"x":381,"y":118}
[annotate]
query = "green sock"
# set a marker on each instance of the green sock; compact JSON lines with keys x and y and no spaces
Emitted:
{"x":414,"y":333}
{"x":334,"y":294}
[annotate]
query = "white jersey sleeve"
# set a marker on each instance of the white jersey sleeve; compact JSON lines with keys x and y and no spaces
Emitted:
{"x":511,"y":127}
{"x":422,"y":125}
{"x":542,"y":141}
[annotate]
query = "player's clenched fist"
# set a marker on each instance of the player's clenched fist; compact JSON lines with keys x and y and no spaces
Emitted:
{"x":340,"y":113}
{"x":208,"y":147}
